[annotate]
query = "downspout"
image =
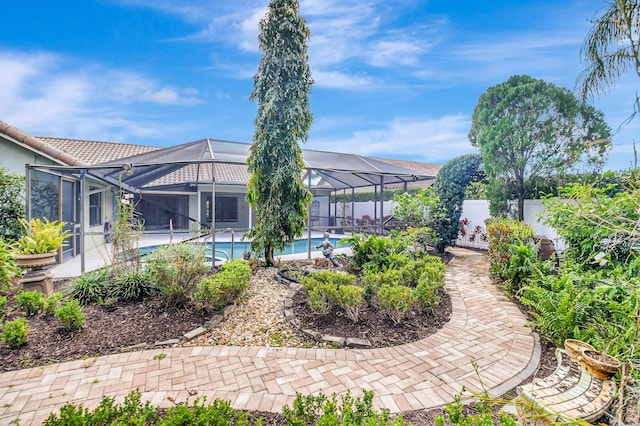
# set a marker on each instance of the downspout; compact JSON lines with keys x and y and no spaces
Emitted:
{"x":27,"y":174}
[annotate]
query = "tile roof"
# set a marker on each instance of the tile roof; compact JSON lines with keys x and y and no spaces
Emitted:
{"x":39,"y":145}
{"x":225,"y":174}
{"x":94,"y":152}
{"x":86,"y":152}
{"x":427,"y":168}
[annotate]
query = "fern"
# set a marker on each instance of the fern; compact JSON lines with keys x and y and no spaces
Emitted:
{"x":561,"y":310}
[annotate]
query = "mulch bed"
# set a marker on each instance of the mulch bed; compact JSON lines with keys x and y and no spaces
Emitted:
{"x":373,"y":325}
{"x":107,"y":331}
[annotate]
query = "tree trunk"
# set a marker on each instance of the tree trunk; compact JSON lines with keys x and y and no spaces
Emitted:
{"x":268,"y":255}
{"x":521,"y":206}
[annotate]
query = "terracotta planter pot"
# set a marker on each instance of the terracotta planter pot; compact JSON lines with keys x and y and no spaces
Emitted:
{"x":600,"y":365}
{"x":575,"y":348}
{"x":35,"y":260}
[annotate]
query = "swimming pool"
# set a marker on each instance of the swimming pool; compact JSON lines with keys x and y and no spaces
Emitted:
{"x":299,"y":246}
{"x":239,"y":247}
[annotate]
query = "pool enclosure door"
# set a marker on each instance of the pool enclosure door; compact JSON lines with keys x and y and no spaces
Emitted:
{"x":57,"y":198}
{"x":69,"y":209}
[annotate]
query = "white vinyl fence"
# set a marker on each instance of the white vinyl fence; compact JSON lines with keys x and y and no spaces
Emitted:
{"x":473,"y":217}
{"x":475,"y":212}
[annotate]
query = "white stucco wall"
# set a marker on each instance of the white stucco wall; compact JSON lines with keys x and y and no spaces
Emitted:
{"x":14,"y":156}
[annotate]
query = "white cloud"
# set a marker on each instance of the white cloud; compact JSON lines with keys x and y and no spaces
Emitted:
{"x":435,"y":140}
{"x":394,"y":52}
{"x":48,"y":94}
{"x":345,"y":35}
{"x":127,"y":86}
{"x":340,"y":80}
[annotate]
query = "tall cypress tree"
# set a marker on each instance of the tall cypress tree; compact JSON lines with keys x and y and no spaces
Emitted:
{"x":281,"y":86}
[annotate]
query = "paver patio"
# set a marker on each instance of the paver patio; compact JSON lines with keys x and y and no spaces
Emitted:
{"x":485,"y":328}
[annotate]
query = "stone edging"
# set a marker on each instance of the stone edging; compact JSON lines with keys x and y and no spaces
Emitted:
{"x":335,"y":341}
{"x":208,"y":326}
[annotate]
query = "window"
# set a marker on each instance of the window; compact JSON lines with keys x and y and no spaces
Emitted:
{"x":226,"y":209}
{"x":95,"y":208}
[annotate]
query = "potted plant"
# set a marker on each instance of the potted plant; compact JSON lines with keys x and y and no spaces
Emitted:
{"x":600,"y":364}
{"x":40,"y":242}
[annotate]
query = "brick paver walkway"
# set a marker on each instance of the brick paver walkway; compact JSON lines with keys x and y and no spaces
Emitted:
{"x":485,"y":328}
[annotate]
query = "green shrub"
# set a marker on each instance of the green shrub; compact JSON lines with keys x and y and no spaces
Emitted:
{"x":12,"y":205}
{"x":8,"y":267}
{"x":3,"y":307}
{"x":131,"y":412}
{"x":432,"y":268}
{"x":414,"y":242}
{"x":371,"y":283}
{"x":329,"y":277}
{"x":322,"y":410}
{"x":177,"y":270}
{"x":522,"y":266}
{"x":370,"y":252}
{"x":89,"y":288}
{"x":224,"y":287}
{"x":418,"y":210}
{"x":322,"y":297}
{"x":217,"y":413}
{"x":563,"y":307}
{"x":449,"y":187}
{"x":502,"y":233}
{"x":53,"y":302}
{"x":237,"y":269}
{"x":597,"y":219}
{"x":456,"y":415}
{"x":396,"y":300}
{"x":426,"y":293}
{"x":429,"y":273}
{"x":322,"y":290}
{"x":131,"y":285}
{"x":351,"y":299}
{"x":15,"y":332}
{"x":70,"y":315}
{"x":30,"y":302}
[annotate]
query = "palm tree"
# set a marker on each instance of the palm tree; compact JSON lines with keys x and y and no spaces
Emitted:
{"x":611,"y":48}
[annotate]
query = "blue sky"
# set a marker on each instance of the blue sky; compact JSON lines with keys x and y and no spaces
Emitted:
{"x":395,"y":79}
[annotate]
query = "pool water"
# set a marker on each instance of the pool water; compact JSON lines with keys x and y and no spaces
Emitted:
{"x":299,"y":246}
{"x":239,"y":247}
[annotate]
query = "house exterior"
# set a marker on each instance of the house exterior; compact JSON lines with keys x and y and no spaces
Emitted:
{"x":196,"y":185}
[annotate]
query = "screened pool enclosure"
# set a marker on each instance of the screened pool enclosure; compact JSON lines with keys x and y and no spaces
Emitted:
{"x":197,"y":187}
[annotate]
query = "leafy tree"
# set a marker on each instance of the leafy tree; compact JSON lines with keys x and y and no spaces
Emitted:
{"x":611,"y":48}
{"x":12,"y":204}
{"x":416,"y":210}
{"x":282,"y":85}
{"x":596,"y":221}
{"x":450,"y":186}
{"x":527,"y":128}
